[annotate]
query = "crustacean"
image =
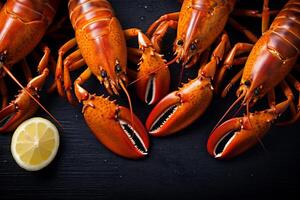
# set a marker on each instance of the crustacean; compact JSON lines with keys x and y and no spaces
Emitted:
{"x":102,"y":47}
{"x":199,"y":24}
{"x":22,"y":26}
{"x":269,"y":64}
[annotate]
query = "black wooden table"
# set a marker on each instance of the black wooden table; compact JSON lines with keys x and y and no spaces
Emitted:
{"x":177,"y":166}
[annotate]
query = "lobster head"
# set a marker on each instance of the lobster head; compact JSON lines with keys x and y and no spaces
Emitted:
{"x":111,"y":70}
{"x":199,"y":26}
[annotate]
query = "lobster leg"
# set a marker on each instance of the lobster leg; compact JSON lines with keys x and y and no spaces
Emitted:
{"x":252,"y":13}
{"x":192,"y":61}
{"x":237,"y":135}
{"x":71,"y":63}
{"x":238,"y":48}
{"x":167,"y":17}
{"x":112,"y":124}
{"x":161,"y":31}
{"x":239,"y":61}
{"x":26,"y":70}
{"x":131,"y":33}
{"x":59,"y":67}
{"x":243,"y":30}
{"x":296,"y":113}
{"x":271,"y":98}
{"x":52,"y":67}
{"x":265,"y":21}
{"x":265,"y":17}
{"x":235,"y":79}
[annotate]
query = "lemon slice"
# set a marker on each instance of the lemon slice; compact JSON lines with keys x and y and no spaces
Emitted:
{"x":35,"y":143}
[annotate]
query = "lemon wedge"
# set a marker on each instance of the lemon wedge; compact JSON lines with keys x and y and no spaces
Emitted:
{"x":35,"y":143}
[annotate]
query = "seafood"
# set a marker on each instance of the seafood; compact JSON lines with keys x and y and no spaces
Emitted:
{"x":152,"y":81}
{"x":102,"y":47}
{"x":194,"y":24}
{"x":22,"y":26}
{"x":270,"y":62}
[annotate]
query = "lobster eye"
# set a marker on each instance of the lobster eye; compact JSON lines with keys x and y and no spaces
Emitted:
{"x":247,"y":83}
{"x":103,"y":74}
{"x":118,"y":68}
{"x":193,"y":47}
{"x":180,"y":42}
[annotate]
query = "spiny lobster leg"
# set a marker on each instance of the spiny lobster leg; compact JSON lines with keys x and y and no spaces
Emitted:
{"x":112,"y":124}
{"x":180,"y":108}
{"x":24,"y":106}
{"x":239,"y":134}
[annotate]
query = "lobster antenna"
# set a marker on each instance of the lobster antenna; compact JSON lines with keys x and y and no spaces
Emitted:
{"x":31,"y":96}
{"x":248,"y":113}
{"x":180,"y":75}
{"x":229,"y":109}
{"x":241,"y":106}
{"x":144,"y":76}
{"x":129,"y":101}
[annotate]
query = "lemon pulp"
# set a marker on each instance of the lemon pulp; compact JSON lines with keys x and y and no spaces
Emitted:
{"x":35,"y":143}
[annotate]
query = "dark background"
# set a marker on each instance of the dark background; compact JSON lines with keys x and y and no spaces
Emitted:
{"x":177,"y":166}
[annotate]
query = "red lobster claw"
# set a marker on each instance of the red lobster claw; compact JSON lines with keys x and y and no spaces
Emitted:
{"x":180,"y":108}
{"x":153,"y":84}
{"x":153,"y":75}
{"x":240,"y":134}
{"x":113,"y":126}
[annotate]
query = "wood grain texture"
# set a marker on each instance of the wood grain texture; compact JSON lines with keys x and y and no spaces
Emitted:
{"x":177,"y":167}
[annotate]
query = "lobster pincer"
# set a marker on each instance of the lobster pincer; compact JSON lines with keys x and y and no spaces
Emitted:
{"x":115,"y":126}
{"x":153,"y":76}
{"x":237,"y":135}
{"x":183,"y":106}
{"x":180,"y":108}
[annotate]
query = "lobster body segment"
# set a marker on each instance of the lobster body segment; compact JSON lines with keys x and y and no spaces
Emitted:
{"x":274,"y":54}
{"x":26,"y":22}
